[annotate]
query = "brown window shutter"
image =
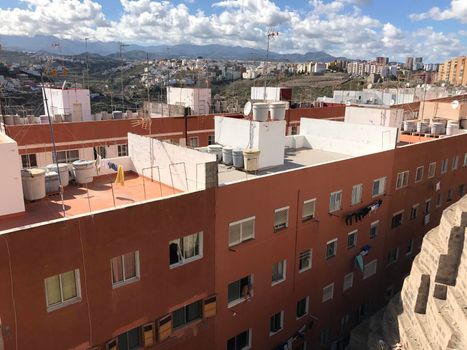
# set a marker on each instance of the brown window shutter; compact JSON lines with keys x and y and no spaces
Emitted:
{"x":165,"y":327}
{"x":148,"y":334}
{"x":209,"y":309}
{"x":112,"y":344}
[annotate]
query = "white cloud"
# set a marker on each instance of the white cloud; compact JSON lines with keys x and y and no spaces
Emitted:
{"x":338,"y":27}
{"x":457,"y":10}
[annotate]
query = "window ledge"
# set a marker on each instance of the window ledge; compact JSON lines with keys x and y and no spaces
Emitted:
{"x":236,"y":302}
{"x":124,"y":283}
{"x":274,"y":333}
{"x":277,"y":282}
{"x":304,"y":269}
{"x":330,"y":257}
{"x":308,"y":218}
{"x":186,"y":261}
{"x":280,"y":228}
{"x":300,"y":317}
{"x":64,"y":304}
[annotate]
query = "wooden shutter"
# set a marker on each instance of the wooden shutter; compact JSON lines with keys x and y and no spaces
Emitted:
{"x":112,"y":344}
{"x":209,"y":307}
{"x":148,"y":334}
{"x":165,"y":327}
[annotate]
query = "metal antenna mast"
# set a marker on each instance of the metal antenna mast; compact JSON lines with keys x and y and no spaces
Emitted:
{"x":87,"y":62}
{"x":122,"y":46}
{"x":270,"y":35}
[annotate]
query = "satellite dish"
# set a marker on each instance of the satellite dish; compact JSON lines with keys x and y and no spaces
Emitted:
{"x":392,"y":103}
{"x":443,"y":84}
{"x":348,"y":103}
{"x":418,"y":85}
{"x":455,"y":104}
{"x":407,"y":85}
{"x":247,"y":109}
{"x":369,"y":86}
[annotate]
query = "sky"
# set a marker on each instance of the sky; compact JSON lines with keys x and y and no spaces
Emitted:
{"x":435,"y":30}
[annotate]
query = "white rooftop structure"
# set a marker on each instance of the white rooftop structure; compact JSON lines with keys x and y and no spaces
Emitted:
{"x":74,"y":102}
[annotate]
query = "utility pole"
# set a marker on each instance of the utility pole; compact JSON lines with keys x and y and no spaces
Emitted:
{"x":168,"y":79}
{"x":87,"y":62}
{"x":270,"y":35}
{"x":122,"y":46}
{"x":147,"y":85}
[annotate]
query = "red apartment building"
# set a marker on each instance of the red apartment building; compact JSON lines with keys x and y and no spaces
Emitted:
{"x":263,"y":262}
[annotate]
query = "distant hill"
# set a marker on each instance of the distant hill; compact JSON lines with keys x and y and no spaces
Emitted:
{"x":138,"y":52}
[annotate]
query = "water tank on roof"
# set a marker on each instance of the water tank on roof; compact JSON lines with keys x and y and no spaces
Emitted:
{"x":410,"y":125}
{"x":423,"y":127}
{"x":260,"y":112}
{"x":52,"y":184}
{"x":277,"y":110}
{"x":217,"y":150}
{"x":452,"y":128}
{"x":62,"y":170}
{"x":33,"y":181}
{"x":251,"y":159}
{"x":84,"y":171}
{"x":117,"y":115}
{"x":437,"y":128}
{"x":237,"y":158}
{"x":227,"y":155}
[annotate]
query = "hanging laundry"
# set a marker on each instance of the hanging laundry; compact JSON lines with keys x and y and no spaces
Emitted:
{"x":359,"y":262}
{"x":120,"y":179}
{"x":112,"y":166}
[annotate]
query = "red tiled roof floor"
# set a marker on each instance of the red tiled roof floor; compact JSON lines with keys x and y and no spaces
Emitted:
{"x":98,"y":196}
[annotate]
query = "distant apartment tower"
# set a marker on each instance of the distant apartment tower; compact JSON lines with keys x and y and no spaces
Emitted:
{"x":418,"y":63}
{"x":409,"y":63}
{"x":382,"y":60}
{"x":454,"y":71}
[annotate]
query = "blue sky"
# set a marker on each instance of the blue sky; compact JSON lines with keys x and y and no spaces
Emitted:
{"x":433,"y":29}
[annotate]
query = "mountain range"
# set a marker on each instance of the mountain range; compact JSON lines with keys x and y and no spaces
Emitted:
{"x":57,"y":46}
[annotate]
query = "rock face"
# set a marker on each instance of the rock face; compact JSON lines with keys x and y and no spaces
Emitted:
{"x":431,"y":310}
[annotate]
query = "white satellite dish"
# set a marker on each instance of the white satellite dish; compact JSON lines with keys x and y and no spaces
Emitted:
{"x":369,"y":86}
{"x":443,"y":84}
{"x":407,"y":85}
{"x":348,"y":103}
{"x":418,"y":85}
{"x":247,"y":109}
{"x":392,"y":103}
{"x":455,"y":104}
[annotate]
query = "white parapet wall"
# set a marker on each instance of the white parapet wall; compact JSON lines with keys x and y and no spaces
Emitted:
{"x":183,"y":168}
{"x":347,"y":138}
{"x":11,"y":188}
{"x":371,"y":115}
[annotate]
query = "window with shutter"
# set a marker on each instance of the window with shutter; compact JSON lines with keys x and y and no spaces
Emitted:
{"x":281,"y":218}
{"x":209,"y":309}
{"x":165,"y":327}
{"x":148,"y":334}
{"x":309,"y":208}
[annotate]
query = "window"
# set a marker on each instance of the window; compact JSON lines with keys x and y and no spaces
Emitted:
{"x":352,"y":239}
{"x":211,"y":140}
{"x":125,"y":268}
{"x":331,"y":248}
{"x":431,"y":170}
{"x":186,"y":249}
{"x":294,"y":130}
{"x":374,"y":226}
{"x":409,"y":247}
{"x":369,"y":269}
{"x":328,"y":292}
{"x":449,"y":196}
{"x":100,"y":151}
{"x":278,"y":272}
{"x":302,"y":307}
{"x":465,"y":159}
{"x":66,"y":156}
{"x":348,"y":281}
{"x":461,"y":190}
{"x":335,"y":201}
{"x":281,"y":218}
{"x":241,"y":231}
{"x":397,"y":219}
{"x":444,"y":166}
{"x":130,"y":340}
{"x":393,"y":255}
{"x":29,"y":160}
{"x":241,"y":341}
{"x":455,"y":162}
{"x":357,"y":194}
{"x":427,"y":205}
{"x":62,"y":289}
{"x":194,"y":141}
{"x":187,"y":314}
{"x":304,"y":262}
{"x":122,"y":150}
{"x":324,"y":336}
{"x":277,"y":323}
{"x":378,"y":186}
{"x":414,"y":211}
{"x":308,"y":211}
{"x":240,"y":290}
{"x":402,"y":179}
{"x":419,"y":174}
{"x":438,"y":200}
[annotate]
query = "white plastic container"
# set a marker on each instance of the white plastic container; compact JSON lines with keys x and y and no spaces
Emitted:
{"x":217,"y":150}
{"x":52,"y":184}
{"x":237,"y":158}
{"x":84,"y":171}
{"x":62,"y":171}
{"x":452,"y":129}
{"x":9,"y":119}
{"x":277,"y":110}
{"x":227,"y":155}
{"x":260,"y":112}
{"x":423,"y":127}
{"x":410,"y":125}
{"x":33,"y":181}
{"x":251,"y":159}
{"x":437,"y":128}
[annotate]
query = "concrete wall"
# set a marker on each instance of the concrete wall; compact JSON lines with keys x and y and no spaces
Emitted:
{"x":11,"y":188}
{"x":374,"y":116}
{"x":351,"y":139}
{"x":199,"y":100}
{"x":430,"y":110}
{"x":61,"y":102}
{"x":173,"y":161}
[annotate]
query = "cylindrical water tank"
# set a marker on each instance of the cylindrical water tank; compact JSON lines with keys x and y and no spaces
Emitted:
{"x":227,"y":155}
{"x":452,"y":129}
{"x":277,"y":110}
{"x":33,"y":181}
{"x":52,"y":184}
{"x":117,"y":115}
{"x":237,"y":158}
{"x":62,"y":171}
{"x":251,"y":159}
{"x":44,"y":119}
{"x":9,"y":119}
{"x":20,"y":120}
{"x":423,"y":127}
{"x":98,"y":116}
{"x":58,"y":118}
{"x":68,"y":118}
{"x":105,"y":116}
{"x":260,"y":112}
{"x":84,"y":171}
{"x":437,"y":128}
{"x":410,"y":125}
{"x":217,"y":150}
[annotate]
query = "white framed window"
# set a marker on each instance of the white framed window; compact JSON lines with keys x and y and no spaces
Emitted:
{"x":305,"y":260}
{"x":449,"y":196}
{"x":419,"y":173}
{"x":427,"y":205}
{"x":414,"y":211}
{"x":444,"y":166}
{"x":331,"y":248}
{"x":240,"y":290}
{"x":302,"y":307}
{"x":125,"y":269}
{"x":455,"y":162}
{"x":241,"y":231}
{"x":100,"y":151}
{"x":370,"y":269}
{"x":281,"y":218}
{"x":211,"y":140}
{"x":194,"y":141}
{"x":62,"y":289}
{"x":439,"y":199}
{"x":431,"y":170}
{"x":276,"y":323}
{"x":378,"y":187}
{"x":348,"y":281}
{"x":409,"y":247}
{"x":279,"y":272}
{"x":185,"y":249}
{"x":308,"y":210}
{"x":393,"y":255}
{"x":241,"y":341}
{"x":352,"y":239}
{"x":328,"y":292}
{"x":465,"y":159}
{"x":357,"y":191}
{"x":187,"y":314}
{"x":397,"y":219}
{"x":335,"y":201}
{"x":29,"y":160}
{"x":122,"y":150}
{"x":461,"y":190}
{"x":374,"y":227}
{"x":66,"y":156}
{"x":402,"y":179}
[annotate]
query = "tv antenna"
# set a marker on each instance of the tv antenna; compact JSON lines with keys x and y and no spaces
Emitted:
{"x":122,"y":46}
{"x":270,"y":35}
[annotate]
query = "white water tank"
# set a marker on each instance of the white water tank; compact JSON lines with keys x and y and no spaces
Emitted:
{"x":423,"y":127}
{"x":33,"y":181}
{"x":410,"y":125}
{"x":217,"y":150}
{"x":84,"y":171}
{"x":62,"y":170}
{"x":237,"y":158}
{"x":251,"y":159}
{"x":260,"y":112}
{"x":277,"y":110}
{"x":52,"y":184}
{"x":452,"y":128}
{"x":437,"y":128}
{"x":227,"y":155}
{"x":9,"y":119}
